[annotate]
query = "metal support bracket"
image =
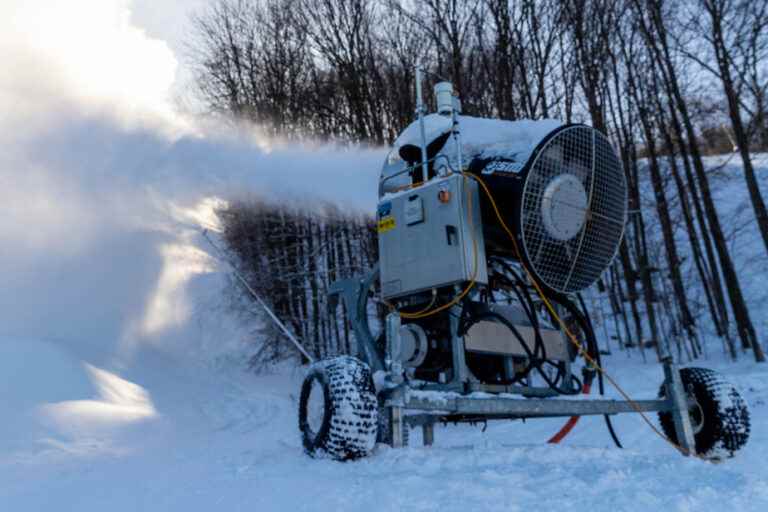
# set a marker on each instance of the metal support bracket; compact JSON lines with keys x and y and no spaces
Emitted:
{"x":354,"y":293}
{"x":391,"y":363}
{"x":397,"y":426}
{"x":449,"y":404}
{"x":678,"y":398}
{"x":462,"y":377}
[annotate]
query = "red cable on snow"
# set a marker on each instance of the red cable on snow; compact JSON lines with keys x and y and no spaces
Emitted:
{"x":572,"y":421}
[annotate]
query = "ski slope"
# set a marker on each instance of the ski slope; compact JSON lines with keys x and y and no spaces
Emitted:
{"x":123,"y":383}
{"x":165,"y":434}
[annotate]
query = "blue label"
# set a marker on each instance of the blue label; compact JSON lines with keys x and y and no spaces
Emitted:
{"x":385,"y":209}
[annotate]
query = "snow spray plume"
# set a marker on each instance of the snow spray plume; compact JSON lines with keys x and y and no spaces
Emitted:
{"x":105,"y":189}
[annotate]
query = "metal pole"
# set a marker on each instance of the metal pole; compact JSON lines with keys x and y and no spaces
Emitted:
{"x":461,"y":374}
{"x":392,"y":363}
{"x":397,"y":426}
{"x":256,"y":296}
{"x":428,"y":433}
{"x":420,"y":113}
{"x":457,"y":135}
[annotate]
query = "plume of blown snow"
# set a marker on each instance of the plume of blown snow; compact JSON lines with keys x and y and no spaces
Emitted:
{"x":105,"y":187}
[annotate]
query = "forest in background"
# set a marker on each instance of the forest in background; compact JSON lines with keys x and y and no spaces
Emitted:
{"x":669,"y":82}
{"x":292,"y":255}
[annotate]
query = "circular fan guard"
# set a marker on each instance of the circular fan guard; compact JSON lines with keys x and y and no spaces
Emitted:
{"x":573,"y":211}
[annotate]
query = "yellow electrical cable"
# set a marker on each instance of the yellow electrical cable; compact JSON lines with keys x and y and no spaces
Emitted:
{"x":571,"y":337}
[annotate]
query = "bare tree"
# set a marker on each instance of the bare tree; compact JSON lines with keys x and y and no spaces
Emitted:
{"x":736,"y":33}
{"x":652,"y":16}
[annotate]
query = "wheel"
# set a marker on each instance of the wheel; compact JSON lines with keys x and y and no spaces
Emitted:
{"x":385,"y":427}
{"x":719,"y":416}
{"x":338,"y":410}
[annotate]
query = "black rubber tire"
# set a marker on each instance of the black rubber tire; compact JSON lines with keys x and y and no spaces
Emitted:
{"x":722,"y":416}
{"x":385,"y":430}
{"x":350,"y":409}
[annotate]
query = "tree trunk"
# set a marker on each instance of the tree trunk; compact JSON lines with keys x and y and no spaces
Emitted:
{"x":716,"y":14}
{"x":733,"y":287}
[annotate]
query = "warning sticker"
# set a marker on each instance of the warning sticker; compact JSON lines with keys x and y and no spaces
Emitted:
{"x":386,"y":224}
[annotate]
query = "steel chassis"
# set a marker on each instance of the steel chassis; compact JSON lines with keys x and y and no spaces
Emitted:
{"x":424,"y":404}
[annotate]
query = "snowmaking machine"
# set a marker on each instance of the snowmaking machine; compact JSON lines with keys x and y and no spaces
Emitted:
{"x":488,"y":232}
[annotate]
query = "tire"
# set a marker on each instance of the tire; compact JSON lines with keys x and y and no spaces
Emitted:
{"x":338,"y":410}
{"x":385,"y":427}
{"x":720,"y":418}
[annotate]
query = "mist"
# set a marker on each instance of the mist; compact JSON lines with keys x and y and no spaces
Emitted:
{"x":105,"y":187}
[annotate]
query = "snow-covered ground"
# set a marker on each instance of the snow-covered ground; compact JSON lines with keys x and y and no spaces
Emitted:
{"x":164,"y":434}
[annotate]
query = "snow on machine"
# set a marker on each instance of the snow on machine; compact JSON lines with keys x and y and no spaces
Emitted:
{"x":488,"y":231}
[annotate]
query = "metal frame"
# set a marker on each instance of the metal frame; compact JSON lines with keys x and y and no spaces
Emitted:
{"x":426,"y":404}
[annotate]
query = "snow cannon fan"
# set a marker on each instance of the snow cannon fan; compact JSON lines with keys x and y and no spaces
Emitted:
{"x":566,"y":206}
{"x":487,"y":230}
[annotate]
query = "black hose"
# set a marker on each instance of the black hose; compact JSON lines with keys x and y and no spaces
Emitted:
{"x":539,"y":350}
{"x":527,"y":303}
{"x":585,"y":322}
{"x":600,"y":384}
{"x":466,"y":321}
{"x":520,"y":288}
{"x":582,"y":317}
{"x":532,"y":318}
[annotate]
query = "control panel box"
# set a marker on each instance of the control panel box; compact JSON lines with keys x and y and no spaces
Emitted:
{"x":431,"y":236}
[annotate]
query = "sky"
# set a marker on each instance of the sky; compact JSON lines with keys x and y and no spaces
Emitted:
{"x":81,"y":57}
{"x":165,"y":19}
{"x":168,"y":20}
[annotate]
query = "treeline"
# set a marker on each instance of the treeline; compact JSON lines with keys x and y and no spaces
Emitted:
{"x":668,"y":81}
{"x":291,"y":255}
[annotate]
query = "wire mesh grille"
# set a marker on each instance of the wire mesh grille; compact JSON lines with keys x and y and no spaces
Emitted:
{"x":574,"y":264}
